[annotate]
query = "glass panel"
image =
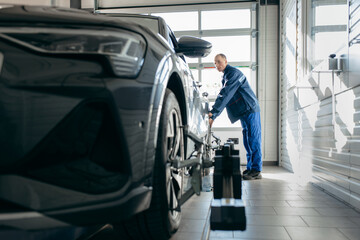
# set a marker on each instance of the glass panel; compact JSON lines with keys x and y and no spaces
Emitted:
{"x":211,"y":81}
{"x":325,"y":38}
{"x":236,"y":48}
{"x":191,"y":60}
{"x":180,"y":21}
{"x":248,"y":72}
{"x":223,"y":119}
{"x":240,"y":18}
{"x":331,"y":15}
{"x":195,"y":74}
{"x":327,"y":43}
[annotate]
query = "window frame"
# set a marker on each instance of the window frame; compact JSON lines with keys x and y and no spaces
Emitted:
{"x":313,"y":30}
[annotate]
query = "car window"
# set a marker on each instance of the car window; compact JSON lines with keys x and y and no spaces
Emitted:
{"x":172,"y":39}
{"x":173,"y":42}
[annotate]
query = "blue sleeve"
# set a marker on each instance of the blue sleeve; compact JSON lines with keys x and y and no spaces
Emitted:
{"x":234,"y":81}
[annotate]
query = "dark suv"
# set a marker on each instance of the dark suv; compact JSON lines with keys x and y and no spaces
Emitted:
{"x":100,"y":121}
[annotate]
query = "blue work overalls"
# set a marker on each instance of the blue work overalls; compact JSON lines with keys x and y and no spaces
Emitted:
{"x":241,"y":104}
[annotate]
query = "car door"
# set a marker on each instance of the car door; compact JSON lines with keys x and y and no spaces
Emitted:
{"x":196,"y":103}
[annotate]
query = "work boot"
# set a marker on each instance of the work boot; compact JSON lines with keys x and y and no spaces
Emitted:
{"x":245,"y":172}
{"x":253,"y":174}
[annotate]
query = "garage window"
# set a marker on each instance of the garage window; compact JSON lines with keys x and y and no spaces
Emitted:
{"x":223,"y":19}
{"x":189,"y":20}
{"x":328,"y":31}
{"x":230,"y":28}
{"x":237,"y":48}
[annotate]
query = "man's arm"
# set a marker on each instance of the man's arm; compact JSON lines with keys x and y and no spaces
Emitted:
{"x":235,"y":80}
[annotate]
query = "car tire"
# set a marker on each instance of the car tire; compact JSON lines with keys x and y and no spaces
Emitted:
{"x":165,"y":210}
{"x":163,"y":217}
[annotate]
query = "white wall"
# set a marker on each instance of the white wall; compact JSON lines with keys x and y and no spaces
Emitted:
{"x":268,"y":80}
{"x":314,"y":146}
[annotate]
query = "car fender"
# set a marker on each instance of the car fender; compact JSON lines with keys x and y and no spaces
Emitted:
{"x":162,"y":75}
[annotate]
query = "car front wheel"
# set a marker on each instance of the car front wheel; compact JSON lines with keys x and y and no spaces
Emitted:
{"x":168,"y":181}
{"x":163,"y":217}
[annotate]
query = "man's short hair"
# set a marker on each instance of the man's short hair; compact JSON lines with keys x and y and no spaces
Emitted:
{"x":221,"y":55}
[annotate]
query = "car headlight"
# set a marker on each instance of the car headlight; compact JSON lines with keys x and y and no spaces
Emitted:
{"x":125,"y":50}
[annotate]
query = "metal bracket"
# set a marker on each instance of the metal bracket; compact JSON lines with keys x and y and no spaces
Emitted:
{"x":207,"y":163}
{"x":196,"y":180}
{"x":253,"y":7}
{"x":186,"y":129}
{"x":254,"y":33}
{"x":96,"y":6}
{"x":253,"y":66}
{"x":177,"y":163}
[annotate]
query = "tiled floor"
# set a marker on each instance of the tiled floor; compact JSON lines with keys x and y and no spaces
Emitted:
{"x":277,"y":207}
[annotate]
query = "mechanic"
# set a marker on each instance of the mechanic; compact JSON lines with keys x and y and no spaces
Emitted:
{"x":241,"y":104}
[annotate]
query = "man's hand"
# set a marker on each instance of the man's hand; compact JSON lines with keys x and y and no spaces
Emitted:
{"x":211,"y":122}
{"x":210,"y":119}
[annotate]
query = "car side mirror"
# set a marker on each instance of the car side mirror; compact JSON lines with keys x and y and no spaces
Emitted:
{"x":193,"y":47}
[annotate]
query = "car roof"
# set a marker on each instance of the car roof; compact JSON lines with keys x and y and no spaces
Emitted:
{"x":154,"y":23}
